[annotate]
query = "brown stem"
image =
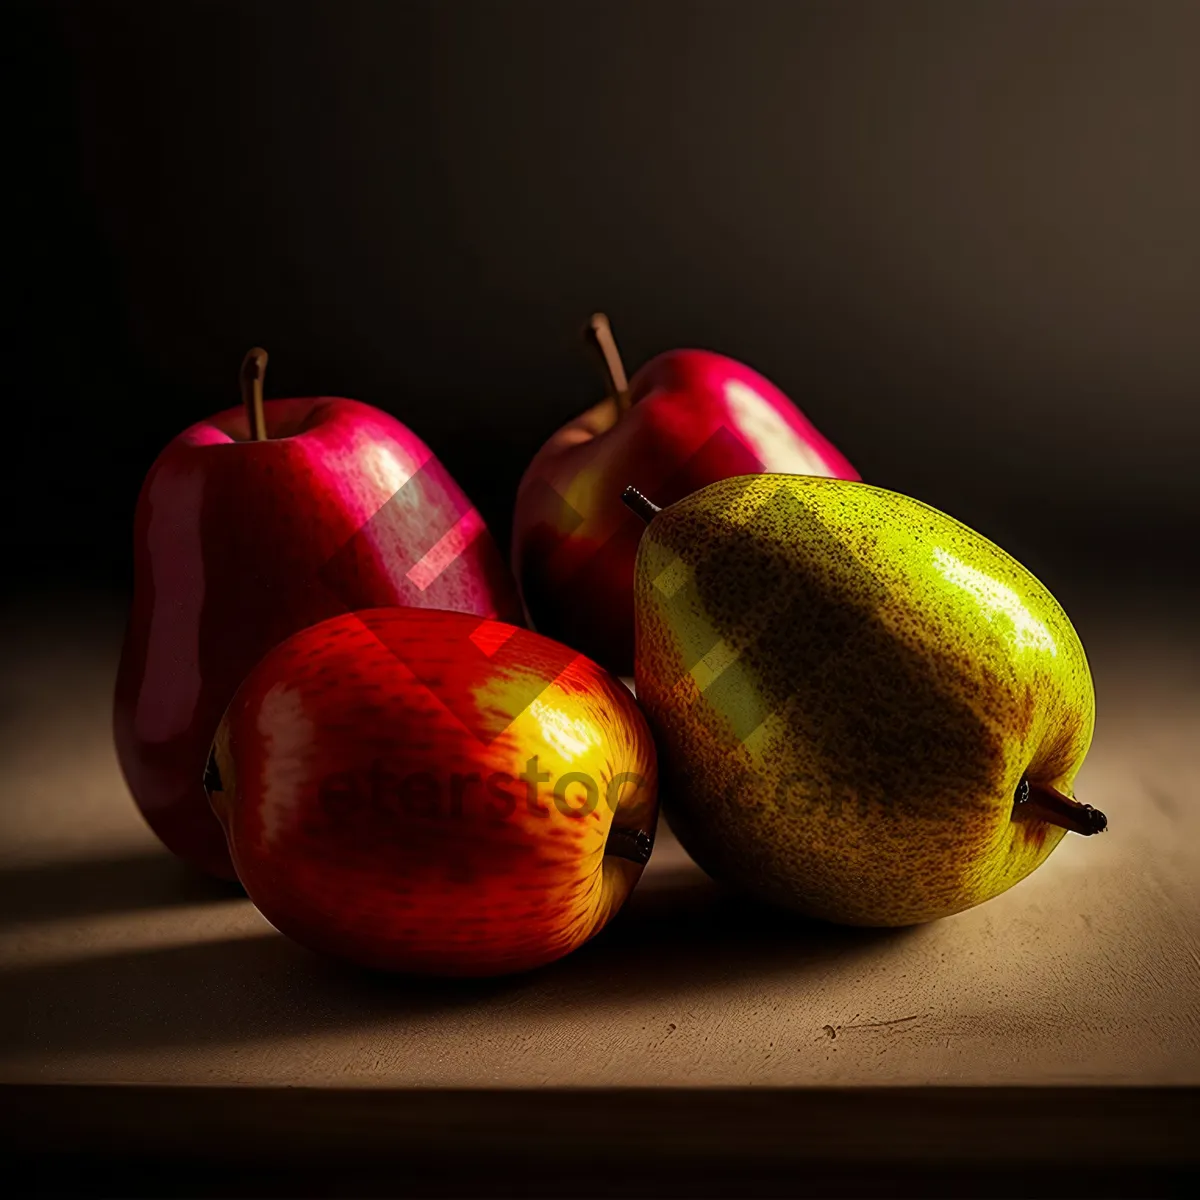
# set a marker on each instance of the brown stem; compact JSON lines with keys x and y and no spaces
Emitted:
{"x":254,"y":368}
{"x":632,"y":844}
{"x":646,"y":509}
{"x":1049,"y":804}
{"x":599,"y":335}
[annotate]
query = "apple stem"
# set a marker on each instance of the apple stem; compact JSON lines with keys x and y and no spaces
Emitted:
{"x":631,"y":844}
{"x":599,"y":334}
{"x":646,"y":509}
{"x":254,"y":369}
{"x":1049,"y":804}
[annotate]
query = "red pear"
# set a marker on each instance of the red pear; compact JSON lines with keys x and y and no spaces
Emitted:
{"x":685,"y":420}
{"x":255,"y":523}
{"x":429,"y":792}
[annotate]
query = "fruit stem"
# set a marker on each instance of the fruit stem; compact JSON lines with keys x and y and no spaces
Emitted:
{"x":646,"y":509}
{"x":631,"y":844}
{"x":1049,"y":804}
{"x":254,"y":368}
{"x":599,"y":335}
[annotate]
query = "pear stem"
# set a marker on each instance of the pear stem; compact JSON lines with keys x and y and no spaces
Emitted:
{"x":254,"y":369}
{"x":599,"y":335}
{"x":1048,"y":804}
{"x":646,"y":509}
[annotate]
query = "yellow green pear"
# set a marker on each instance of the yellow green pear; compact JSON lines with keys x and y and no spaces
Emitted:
{"x":864,"y":710}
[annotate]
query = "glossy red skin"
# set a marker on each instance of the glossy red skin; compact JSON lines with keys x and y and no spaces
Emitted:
{"x":238,"y":544}
{"x":696,"y":417}
{"x":429,"y":884}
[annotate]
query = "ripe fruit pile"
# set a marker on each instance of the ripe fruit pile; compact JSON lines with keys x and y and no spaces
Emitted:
{"x":859,"y":709}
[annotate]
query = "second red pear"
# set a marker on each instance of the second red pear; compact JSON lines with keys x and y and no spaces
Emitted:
{"x":685,"y":420}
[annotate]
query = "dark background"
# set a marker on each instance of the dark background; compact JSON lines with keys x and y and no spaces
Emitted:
{"x":964,"y":237}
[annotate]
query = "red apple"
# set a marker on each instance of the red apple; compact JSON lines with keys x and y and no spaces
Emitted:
{"x":253,"y":524}
{"x":687,"y":418}
{"x":427,"y":792}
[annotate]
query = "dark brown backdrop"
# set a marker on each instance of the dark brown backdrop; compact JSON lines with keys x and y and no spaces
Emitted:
{"x":963,"y":236}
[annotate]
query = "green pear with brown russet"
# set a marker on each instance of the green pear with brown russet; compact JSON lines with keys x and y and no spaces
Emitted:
{"x":865,"y":711}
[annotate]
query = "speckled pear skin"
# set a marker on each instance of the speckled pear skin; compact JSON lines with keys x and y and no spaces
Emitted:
{"x":846,"y":688}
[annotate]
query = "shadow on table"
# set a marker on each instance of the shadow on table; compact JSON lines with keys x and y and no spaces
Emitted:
{"x":679,"y":937}
{"x":687,"y":934}
{"x":92,"y":887}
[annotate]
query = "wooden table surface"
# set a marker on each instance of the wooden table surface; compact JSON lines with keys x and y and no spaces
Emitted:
{"x":120,"y":967}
